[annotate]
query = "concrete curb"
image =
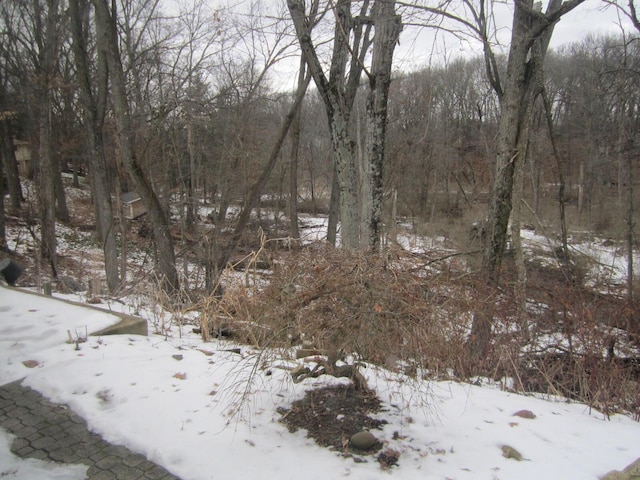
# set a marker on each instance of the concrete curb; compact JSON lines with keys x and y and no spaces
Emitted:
{"x":128,"y":324}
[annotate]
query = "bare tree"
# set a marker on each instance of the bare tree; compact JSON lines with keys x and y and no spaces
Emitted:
{"x":46,"y":193}
{"x":517,"y":88}
{"x":93,"y":95}
{"x":530,"y":37}
{"x":258,"y":187}
{"x":351,"y":43}
{"x":107,"y":40}
{"x":10,"y":161}
{"x":294,"y":160}
{"x":628,"y":8}
{"x":32,"y":43}
{"x":387,"y":25}
{"x":6,"y":117}
{"x":3,"y":232}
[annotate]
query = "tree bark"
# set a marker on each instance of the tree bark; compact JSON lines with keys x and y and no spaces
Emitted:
{"x":530,"y":36}
{"x":62,"y":210}
{"x":294,"y":231}
{"x":3,"y":231}
{"x":46,"y":193}
{"x":334,"y":209}
{"x":165,"y":257}
{"x":529,"y":27}
{"x":191,"y":181}
{"x":94,"y":109}
{"x":10,"y":161}
{"x":11,"y":165}
{"x":388,"y":26}
{"x":338,"y":100}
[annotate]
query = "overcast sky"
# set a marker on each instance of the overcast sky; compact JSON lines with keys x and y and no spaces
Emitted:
{"x":420,"y":48}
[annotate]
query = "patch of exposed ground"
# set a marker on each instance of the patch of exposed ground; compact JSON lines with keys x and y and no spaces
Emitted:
{"x":331,"y":415}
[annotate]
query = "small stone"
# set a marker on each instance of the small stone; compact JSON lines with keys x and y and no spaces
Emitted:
{"x":510,"y":452}
{"x":31,"y":363}
{"x":525,"y":414}
{"x":363,"y":440}
{"x":177,"y":357}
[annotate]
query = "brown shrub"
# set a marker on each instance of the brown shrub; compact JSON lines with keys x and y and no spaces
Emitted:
{"x":412,"y":314}
{"x":394,"y":310}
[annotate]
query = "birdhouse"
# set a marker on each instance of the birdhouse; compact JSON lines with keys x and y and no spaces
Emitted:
{"x":132,"y":205}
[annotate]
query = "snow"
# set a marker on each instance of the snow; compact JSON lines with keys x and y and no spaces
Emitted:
{"x":608,"y":263}
{"x":205,"y":412}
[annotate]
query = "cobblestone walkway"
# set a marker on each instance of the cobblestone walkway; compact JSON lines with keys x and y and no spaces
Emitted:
{"x":49,"y":431}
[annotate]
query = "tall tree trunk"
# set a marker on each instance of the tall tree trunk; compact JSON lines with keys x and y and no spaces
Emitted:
{"x":10,"y":161}
{"x":10,"y":165}
{"x":564,"y":234}
{"x":509,"y":127}
{"x":106,"y":27}
{"x":630,"y":221}
{"x":191,"y":201}
{"x":3,"y":232}
{"x":347,"y":181}
{"x":388,"y":26}
{"x":62,"y":210}
{"x":46,"y":193}
{"x":334,"y":209}
{"x":294,"y":231}
{"x":516,"y":226}
{"x":94,"y":109}
{"x":530,"y":36}
{"x":626,"y":152}
{"x":338,"y":94}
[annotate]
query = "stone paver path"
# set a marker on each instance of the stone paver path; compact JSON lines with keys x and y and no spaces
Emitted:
{"x":49,"y":431}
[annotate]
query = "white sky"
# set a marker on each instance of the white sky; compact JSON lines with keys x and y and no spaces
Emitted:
{"x":589,"y":18}
{"x":419,"y":48}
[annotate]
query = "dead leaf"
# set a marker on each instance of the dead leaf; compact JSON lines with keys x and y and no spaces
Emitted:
{"x":180,"y":376}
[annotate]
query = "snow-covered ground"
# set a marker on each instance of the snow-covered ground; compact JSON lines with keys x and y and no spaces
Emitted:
{"x":203,"y":412}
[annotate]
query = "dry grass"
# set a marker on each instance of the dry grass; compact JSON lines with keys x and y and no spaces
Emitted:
{"x":394,"y":310}
{"x":412,"y":314}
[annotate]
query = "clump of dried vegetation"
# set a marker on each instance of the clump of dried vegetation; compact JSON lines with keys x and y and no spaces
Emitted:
{"x":412,"y":314}
{"x":386,"y":310}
